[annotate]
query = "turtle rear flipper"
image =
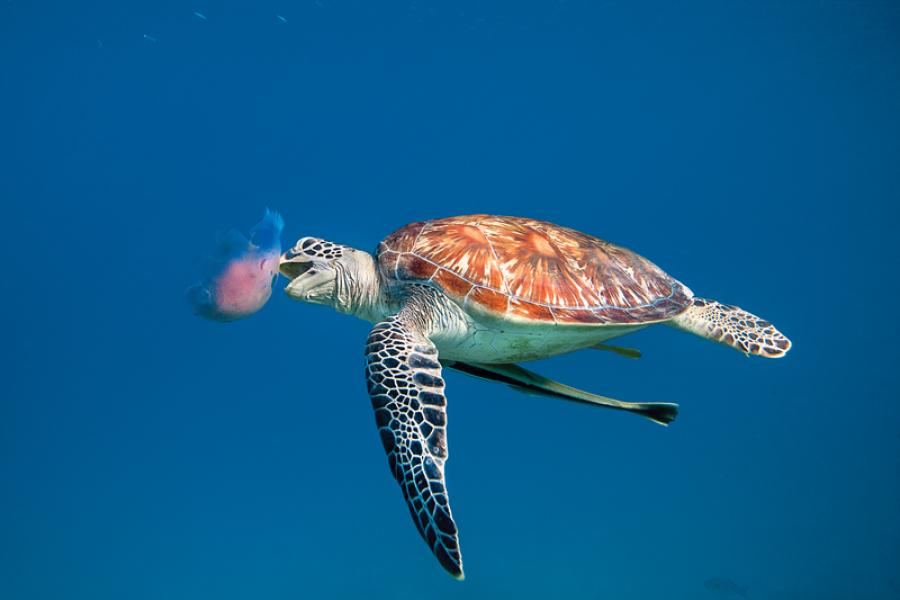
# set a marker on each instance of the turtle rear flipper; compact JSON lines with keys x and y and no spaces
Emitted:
{"x":735,"y":327}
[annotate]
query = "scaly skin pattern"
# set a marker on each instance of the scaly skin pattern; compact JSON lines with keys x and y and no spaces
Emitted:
{"x":488,"y":291}
{"x":317,"y":247}
{"x":733,"y":326}
{"x":407,"y":392}
{"x":533,"y":271}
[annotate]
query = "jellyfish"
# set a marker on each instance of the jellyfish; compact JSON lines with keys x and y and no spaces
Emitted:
{"x":240,"y":272}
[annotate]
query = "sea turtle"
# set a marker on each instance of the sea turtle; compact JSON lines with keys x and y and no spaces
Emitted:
{"x":478,"y":294}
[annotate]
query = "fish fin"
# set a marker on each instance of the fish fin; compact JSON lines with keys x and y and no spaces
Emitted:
{"x":530,"y":382}
{"x":626,"y":352}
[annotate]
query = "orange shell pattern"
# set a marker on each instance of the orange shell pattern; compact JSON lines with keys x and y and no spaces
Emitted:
{"x":532,"y":270}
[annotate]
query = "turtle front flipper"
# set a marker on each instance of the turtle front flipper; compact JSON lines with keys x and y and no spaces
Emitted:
{"x":733,"y":326}
{"x":407,"y":392}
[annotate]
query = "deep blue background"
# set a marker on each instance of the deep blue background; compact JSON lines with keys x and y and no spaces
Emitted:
{"x":750,"y":149}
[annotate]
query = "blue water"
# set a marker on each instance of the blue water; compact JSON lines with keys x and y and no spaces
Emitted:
{"x":751,"y":149}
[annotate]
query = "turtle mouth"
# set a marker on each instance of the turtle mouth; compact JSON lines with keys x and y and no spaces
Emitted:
{"x":293,"y":267}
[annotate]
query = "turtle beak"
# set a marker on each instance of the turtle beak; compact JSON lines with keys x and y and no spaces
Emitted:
{"x":309,"y":279}
{"x":293,"y":265}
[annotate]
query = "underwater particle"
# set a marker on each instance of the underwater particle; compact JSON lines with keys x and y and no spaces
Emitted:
{"x":149,"y":38}
{"x":200,"y":15}
{"x":240,"y":273}
{"x":280,"y":18}
{"x":726,"y":587}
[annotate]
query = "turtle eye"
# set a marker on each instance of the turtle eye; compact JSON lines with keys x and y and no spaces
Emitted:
{"x":306,"y":245}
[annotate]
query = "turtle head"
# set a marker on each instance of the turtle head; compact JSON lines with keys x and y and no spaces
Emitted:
{"x":323,"y":272}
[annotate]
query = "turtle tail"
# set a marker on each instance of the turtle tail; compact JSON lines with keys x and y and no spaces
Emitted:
{"x":730,"y":325}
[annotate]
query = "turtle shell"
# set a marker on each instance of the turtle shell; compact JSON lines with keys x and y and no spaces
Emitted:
{"x":529,"y":270}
